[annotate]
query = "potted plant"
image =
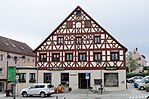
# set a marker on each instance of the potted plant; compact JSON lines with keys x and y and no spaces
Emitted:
{"x":32,"y":80}
{"x":147,"y":88}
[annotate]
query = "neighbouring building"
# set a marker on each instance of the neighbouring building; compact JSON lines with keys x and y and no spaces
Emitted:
{"x":81,"y":54}
{"x":140,"y":58}
{"x":14,"y":50}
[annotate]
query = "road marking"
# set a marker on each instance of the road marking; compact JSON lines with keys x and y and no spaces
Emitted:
{"x":138,"y":97}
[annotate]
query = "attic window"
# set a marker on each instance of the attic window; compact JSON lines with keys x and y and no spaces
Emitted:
{"x":69,"y":25}
{"x":7,"y":44}
{"x":78,"y":13}
{"x":22,"y":47}
{"x":87,"y":24}
{"x":13,"y":45}
{"x":78,"y":25}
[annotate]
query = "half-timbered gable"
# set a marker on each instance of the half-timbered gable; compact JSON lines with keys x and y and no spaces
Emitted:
{"x":77,"y":34}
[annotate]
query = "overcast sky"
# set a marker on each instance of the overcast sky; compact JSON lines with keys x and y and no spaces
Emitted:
{"x":31,"y":21}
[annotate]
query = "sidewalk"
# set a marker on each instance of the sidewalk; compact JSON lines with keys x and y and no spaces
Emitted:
{"x":2,"y":94}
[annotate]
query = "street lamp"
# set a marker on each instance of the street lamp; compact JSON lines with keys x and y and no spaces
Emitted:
{"x":100,"y":62}
{"x":15,"y":58}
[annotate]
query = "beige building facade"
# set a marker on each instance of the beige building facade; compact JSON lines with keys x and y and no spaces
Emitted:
{"x":15,"y":50}
{"x":140,"y":58}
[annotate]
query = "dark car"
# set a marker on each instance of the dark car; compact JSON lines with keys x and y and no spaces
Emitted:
{"x":131,"y":80}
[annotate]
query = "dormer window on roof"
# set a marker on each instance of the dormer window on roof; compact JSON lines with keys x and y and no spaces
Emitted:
{"x":22,"y":48}
{"x":13,"y":45}
{"x":7,"y":44}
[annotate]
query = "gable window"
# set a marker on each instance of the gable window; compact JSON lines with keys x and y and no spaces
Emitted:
{"x":68,"y":57}
{"x":28,"y":60}
{"x":32,"y":78}
{"x":55,"y":57}
{"x":87,"y":24}
{"x":114,"y":56}
{"x":78,"y":24}
{"x":22,"y":78}
{"x":60,"y":40}
{"x":78,"y":40}
{"x":78,"y":13}
{"x":33,"y":60}
{"x":47,"y":77}
{"x":97,"y":39}
{"x":69,"y":25}
{"x":97,"y":57}
{"x":42,"y":57}
{"x":1,"y":57}
{"x":82,"y":57}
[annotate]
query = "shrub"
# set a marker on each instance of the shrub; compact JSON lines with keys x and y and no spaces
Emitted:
{"x":145,"y":68}
{"x":129,"y":75}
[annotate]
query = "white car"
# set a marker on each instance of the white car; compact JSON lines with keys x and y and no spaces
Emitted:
{"x":132,"y":79}
{"x":41,"y":89}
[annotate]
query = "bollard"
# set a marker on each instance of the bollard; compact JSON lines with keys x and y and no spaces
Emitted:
{"x":56,"y":97}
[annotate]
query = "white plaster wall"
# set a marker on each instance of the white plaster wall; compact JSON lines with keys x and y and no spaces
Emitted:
{"x":121,"y":78}
{"x":94,"y":74}
{"x":20,"y":86}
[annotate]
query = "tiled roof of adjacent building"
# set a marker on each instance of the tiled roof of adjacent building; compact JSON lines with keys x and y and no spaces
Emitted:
{"x":14,"y":46}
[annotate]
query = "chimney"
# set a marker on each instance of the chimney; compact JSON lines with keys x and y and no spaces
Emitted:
{"x":136,"y":49}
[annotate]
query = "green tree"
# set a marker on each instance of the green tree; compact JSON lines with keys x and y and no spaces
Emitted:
{"x":132,"y":64}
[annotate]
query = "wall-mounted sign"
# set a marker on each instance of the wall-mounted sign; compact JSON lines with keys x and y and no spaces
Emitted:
{"x":56,"y":68}
{"x":111,"y":68}
{"x":87,"y":75}
{"x":11,"y":73}
{"x":73,"y":74}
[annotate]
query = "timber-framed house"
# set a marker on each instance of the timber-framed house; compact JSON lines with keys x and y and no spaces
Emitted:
{"x":81,"y":54}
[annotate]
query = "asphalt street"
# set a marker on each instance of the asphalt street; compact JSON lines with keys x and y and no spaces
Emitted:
{"x":130,"y":93}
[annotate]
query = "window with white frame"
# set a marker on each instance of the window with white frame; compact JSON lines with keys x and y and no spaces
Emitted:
{"x":97,"y":39}
{"x":47,"y":77}
{"x":32,"y":78}
{"x":78,"y":13}
{"x":22,"y":78}
{"x":97,"y":56}
{"x":114,"y":56}
{"x":55,"y":57}
{"x":28,"y":60}
{"x":1,"y":57}
{"x":1,"y":71}
{"x":69,"y":57}
{"x":78,"y":40}
{"x":43,"y":57}
{"x":82,"y":57}
{"x":60,"y":40}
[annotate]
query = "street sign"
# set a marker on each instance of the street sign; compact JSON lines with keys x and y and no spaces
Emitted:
{"x":11,"y":73}
{"x":87,"y":75}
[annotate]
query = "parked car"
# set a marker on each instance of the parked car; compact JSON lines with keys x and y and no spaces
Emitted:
{"x":132,"y":79}
{"x":143,"y":84}
{"x":41,"y":89}
{"x":137,"y":81}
